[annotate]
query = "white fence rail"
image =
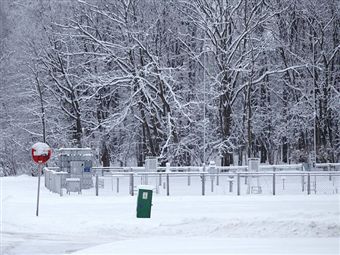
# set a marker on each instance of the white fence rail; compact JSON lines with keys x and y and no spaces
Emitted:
{"x":206,"y":180}
{"x":225,"y":183}
{"x":262,"y":167}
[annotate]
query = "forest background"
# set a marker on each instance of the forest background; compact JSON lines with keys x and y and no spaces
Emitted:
{"x":188,"y":81}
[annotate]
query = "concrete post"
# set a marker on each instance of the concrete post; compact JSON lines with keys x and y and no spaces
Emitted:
{"x":238,"y":184}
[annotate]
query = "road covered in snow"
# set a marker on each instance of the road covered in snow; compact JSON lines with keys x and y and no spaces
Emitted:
{"x":86,"y":224}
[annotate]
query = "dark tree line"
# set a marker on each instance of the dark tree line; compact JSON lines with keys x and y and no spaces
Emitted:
{"x":187,"y":81}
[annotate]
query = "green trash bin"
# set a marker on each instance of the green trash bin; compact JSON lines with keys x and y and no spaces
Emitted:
{"x":144,"y":201}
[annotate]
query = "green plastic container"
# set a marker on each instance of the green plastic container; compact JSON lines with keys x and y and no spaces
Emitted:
{"x":144,"y":201}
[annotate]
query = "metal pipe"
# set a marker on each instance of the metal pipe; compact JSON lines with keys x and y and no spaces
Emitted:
{"x":38,"y":194}
{"x":308,"y":183}
{"x":131,"y":184}
{"x":203,"y":183}
{"x":274,"y":182}
{"x":97,"y":185}
{"x":230,"y":185}
{"x":167,"y":185}
{"x":238,"y":184}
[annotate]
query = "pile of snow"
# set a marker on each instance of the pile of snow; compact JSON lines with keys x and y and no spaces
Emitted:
{"x":86,"y":224}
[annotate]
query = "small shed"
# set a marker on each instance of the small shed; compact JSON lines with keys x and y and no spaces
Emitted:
{"x":78,"y":163}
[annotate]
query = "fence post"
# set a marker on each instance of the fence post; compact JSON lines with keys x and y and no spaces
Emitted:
{"x":212,"y":185}
{"x":230,"y":179}
{"x":48,"y":177}
{"x":238,"y":184}
{"x":117,"y":184}
{"x":218,"y":177}
{"x":203,"y":183}
{"x":131,"y":184}
{"x":274,"y":182}
{"x":50,"y":180}
{"x":45,"y":177}
{"x":97,"y":184}
{"x":160,"y":180}
{"x":61,"y":185}
{"x":157,"y":184}
{"x":167,"y":185}
{"x":189,"y":170}
{"x":308,"y":183}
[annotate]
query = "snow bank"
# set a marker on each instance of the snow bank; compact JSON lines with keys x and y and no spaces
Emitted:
{"x":201,"y":245}
{"x":267,"y":224}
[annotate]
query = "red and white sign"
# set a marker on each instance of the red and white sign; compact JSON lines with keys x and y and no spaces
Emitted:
{"x":41,"y":153}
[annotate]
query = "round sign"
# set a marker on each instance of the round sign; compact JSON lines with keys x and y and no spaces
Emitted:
{"x":41,"y":153}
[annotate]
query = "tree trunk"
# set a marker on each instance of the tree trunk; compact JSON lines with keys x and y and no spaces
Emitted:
{"x":105,"y":158}
{"x":225,"y":119}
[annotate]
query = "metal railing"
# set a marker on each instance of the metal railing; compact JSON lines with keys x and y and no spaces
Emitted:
{"x":222,"y":183}
{"x":55,"y":181}
{"x":200,"y":180}
{"x":221,"y":169}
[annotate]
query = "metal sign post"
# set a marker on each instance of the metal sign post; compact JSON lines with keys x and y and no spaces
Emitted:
{"x":38,"y":194}
{"x":41,"y":153}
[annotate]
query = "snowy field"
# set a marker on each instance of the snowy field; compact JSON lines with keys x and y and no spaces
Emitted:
{"x":218,"y":224}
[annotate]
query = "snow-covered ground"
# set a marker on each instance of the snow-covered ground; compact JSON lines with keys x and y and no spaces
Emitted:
{"x":86,"y":224}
